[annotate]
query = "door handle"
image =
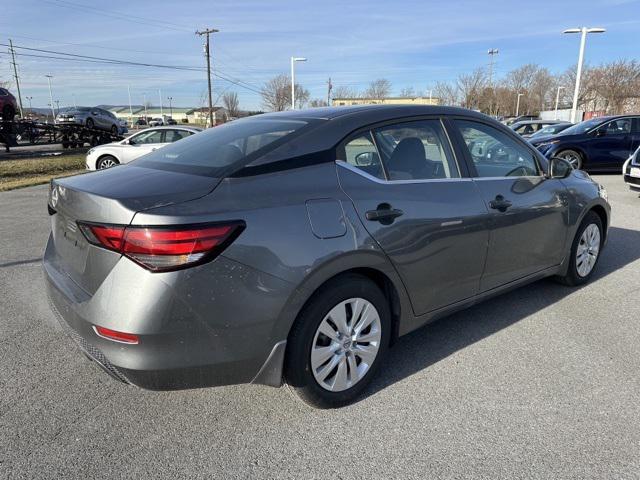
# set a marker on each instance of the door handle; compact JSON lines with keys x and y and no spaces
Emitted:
{"x":384,"y":214}
{"x":500,"y":203}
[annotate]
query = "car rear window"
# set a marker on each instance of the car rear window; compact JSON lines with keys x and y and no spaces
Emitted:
{"x":218,"y":151}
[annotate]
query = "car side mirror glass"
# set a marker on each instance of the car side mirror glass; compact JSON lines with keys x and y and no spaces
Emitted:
{"x":365,"y":159}
{"x":559,"y":168}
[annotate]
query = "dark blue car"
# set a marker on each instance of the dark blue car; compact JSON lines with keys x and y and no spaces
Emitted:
{"x":599,"y":144}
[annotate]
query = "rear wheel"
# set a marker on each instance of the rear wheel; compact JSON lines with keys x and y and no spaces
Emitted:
{"x":585,"y":251}
{"x":338,"y":342}
{"x":573,"y":157}
{"x":114,"y":130}
{"x":107,"y":161}
{"x":89,"y":123}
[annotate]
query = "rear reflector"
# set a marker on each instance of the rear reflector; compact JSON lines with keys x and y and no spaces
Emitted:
{"x":162,"y":249}
{"x":116,"y":336}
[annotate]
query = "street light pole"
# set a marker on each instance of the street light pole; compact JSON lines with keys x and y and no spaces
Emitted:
{"x":555,"y":117}
{"x":144,"y":101}
{"x":293,"y":79}
{"x":30,"y":106}
{"x":170,"y":106}
{"x":583,"y":39}
{"x":518,"y":104}
{"x":53,"y":112}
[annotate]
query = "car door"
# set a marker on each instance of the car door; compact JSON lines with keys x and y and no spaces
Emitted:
{"x":142,"y":143}
{"x":528,"y":212}
{"x":418,"y":204}
{"x":635,"y":134}
{"x":609,"y":145}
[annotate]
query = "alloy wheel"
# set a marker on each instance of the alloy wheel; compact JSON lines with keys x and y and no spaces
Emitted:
{"x":573,"y":158}
{"x":588,"y":250}
{"x":107,"y":163}
{"x":346,"y":344}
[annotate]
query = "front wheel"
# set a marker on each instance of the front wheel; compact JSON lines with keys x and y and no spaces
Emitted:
{"x":107,"y":161}
{"x":573,"y":157}
{"x":585,"y":251}
{"x":338,"y":342}
{"x":89,"y":123}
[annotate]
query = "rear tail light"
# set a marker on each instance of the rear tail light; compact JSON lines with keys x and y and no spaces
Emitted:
{"x":162,"y":249}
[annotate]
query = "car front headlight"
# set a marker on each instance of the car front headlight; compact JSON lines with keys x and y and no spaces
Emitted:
{"x":602,"y":192}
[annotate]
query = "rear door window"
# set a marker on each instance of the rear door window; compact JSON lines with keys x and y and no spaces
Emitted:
{"x":416,"y":150}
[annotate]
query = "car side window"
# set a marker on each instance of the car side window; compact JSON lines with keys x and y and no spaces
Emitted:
{"x":619,"y":127}
{"x":362,"y":153}
{"x":495,"y":153}
{"x":171,"y":136}
{"x":151,"y":136}
{"x":417,"y":150}
{"x":635,"y":127}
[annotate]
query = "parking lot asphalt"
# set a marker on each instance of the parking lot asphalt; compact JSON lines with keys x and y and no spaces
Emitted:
{"x":539,"y":383}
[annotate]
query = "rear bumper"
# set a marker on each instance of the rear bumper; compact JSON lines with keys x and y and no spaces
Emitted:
{"x":184,"y":342}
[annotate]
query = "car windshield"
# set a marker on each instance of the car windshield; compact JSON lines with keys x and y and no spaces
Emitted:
{"x":582,"y":127}
{"x":218,"y":151}
{"x":549,"y":130}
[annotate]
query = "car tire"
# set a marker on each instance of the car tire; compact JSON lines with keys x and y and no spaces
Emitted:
{"x":107,"y":161}
{"x":573,"y":157}
{"x":582,"y":250}
{"x":346,"y":366}
{"x":114,"y":130}
{"x":89,"y":123}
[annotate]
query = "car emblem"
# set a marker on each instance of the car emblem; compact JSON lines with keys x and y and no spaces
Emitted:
{"x":54,"y":196}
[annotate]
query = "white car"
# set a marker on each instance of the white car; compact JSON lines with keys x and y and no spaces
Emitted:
{"x":141,"y":143}
{"x":631,"y":171}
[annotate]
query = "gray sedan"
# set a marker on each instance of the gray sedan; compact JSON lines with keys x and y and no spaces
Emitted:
{"x":90,"y":117}
{"x":297,"y":246}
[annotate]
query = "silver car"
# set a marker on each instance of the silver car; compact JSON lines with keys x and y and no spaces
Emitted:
{"x":94,"y":118}
{"x":297,"y":246}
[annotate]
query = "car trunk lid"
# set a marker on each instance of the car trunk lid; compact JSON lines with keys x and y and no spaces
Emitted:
{"x":110,"y":197}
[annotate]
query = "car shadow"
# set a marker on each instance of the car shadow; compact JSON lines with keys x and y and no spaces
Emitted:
{"x":430,"y":344}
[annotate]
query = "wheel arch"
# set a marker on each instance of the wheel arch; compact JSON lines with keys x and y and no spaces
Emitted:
{"x":107,"y":154}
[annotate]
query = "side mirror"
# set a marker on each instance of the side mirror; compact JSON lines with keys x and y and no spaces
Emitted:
{"x":365,"y":159}
{"x":601,"y":132}
{"x":559,"y":168}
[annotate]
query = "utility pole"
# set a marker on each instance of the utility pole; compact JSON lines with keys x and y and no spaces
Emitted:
{"x":15,"y":73}
{"x":53,"y":112}
{"x":329,"y":88}
{"x":207,"y":51}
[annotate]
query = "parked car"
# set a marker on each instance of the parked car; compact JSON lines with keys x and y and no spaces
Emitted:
{"x":90,"y":117}
{"x":248,"y":253}
{"x":156,"y":122}
{"x":526,"y":128}
{"x":8,"y":105}
{"x":521,"y":118}
{"x":170,"y":121}
{"x":599,"y":144}
{"x":550,"y":130}
{"x":631,"y":170}
{"x":141,"y":143}
{"x":141,"y":121}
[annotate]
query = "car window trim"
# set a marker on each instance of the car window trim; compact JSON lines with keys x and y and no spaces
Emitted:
{"x":467,"y":154}
{"x":340,"y":150}
{"x":354,"y":169}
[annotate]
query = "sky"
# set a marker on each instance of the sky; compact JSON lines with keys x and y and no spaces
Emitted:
{"x":412,"y":43}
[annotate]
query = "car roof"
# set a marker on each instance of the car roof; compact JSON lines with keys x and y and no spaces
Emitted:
{"x":172,"y":127}
{"x":376,"y":112}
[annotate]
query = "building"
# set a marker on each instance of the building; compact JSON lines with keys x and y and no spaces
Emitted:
{"x":386,"y":101}
{"x":180,"y":115}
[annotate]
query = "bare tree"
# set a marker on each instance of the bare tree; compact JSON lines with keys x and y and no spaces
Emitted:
{"x":471,"y":86}
{"x":344,"y":91}
{"x":446,"y":93}
{"x":230,"y":102}
{"x":317,"y":102}
{"x":408,"y":92}
{"x":616,"y":83}
{"x":276,"y":94}
{"x":379,"y":89}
